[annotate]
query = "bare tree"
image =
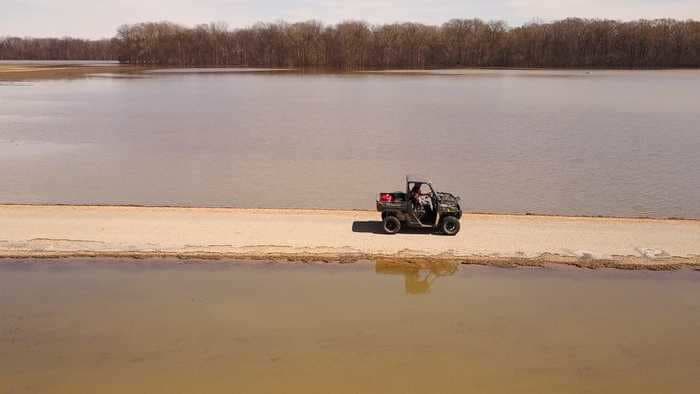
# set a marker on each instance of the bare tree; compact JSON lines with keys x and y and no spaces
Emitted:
{"x":572,"y":42}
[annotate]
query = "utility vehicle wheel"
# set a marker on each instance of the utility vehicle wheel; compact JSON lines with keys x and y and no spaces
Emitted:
{"x":450,"y":225}
{"x":392,"y":224}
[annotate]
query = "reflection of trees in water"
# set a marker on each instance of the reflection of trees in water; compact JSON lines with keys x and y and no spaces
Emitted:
{"x":418,"y":277}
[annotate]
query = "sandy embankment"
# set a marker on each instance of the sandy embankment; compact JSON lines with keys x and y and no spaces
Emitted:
{"x":317,"y":235}
{"x":28,"y":72}
{"x":22,"y":72}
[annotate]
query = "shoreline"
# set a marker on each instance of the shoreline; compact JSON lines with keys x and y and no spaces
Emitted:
{"x":626,"y":263}
{"x":310,"y":236}
{"x":18,"y":71}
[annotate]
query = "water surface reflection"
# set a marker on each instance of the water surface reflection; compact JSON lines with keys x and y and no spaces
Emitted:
{"x":418,"y":278}
{"x":507,"y":141}
{"x":163,"y":327}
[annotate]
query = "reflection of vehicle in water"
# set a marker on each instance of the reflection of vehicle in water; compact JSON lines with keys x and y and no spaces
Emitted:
{"x":418,"y":278}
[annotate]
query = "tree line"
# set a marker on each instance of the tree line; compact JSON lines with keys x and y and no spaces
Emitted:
{"x":572,"y":42}
{"x":15,"y":48}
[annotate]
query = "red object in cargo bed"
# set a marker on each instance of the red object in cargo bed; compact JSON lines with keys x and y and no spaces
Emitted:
{"x":386,"y":197}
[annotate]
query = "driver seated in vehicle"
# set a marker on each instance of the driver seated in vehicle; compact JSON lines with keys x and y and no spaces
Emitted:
{"x":420,"y":198}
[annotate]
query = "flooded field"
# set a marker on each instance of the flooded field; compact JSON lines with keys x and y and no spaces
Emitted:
{"x":164,"y":327}
{"x":582,"y":142}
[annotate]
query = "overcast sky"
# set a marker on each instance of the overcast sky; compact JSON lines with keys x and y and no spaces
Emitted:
{"x":100,"y":18}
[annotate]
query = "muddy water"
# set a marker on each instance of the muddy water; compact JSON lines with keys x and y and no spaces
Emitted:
{"x":559,"y":142}
{"x":149,"y":327}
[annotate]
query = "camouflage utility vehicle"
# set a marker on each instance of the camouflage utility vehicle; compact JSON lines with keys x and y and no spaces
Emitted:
{"x":419,"y":207}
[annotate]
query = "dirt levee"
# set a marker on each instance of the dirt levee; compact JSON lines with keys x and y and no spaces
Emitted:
{"x":317,"y":235}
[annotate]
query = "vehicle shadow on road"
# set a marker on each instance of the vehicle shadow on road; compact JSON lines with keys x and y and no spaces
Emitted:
{"x":375,"y":227}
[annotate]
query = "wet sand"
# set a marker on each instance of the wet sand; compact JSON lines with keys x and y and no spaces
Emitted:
{"x":345,"y":236}
{"x":58,"y":70}
{"x":22,"y":72}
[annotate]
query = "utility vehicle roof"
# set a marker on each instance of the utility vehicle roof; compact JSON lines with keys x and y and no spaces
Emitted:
{"x":416,"y":179}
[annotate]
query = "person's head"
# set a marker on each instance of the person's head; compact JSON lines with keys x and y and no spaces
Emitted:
{"x":416,"y":188}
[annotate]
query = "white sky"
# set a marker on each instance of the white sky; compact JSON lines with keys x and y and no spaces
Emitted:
{"x":100,"y":18}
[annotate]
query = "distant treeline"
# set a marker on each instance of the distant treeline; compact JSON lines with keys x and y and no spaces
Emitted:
{"x":458,"y":43}
{"x":15,"y":48}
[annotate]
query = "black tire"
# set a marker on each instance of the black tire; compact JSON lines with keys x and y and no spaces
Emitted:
{"x":450,"y":225}
{"x":391,"y":224}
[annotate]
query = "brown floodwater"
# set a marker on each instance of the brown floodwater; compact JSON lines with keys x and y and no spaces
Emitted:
{"x":621,"y":143}
{"x":166,"y":327}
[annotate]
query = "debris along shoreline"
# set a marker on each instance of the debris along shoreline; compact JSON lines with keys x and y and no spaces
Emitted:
{"x":35,"y":231}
